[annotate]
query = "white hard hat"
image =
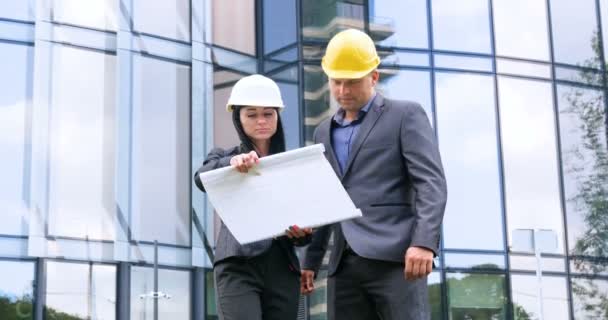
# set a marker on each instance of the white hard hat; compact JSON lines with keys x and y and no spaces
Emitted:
{"x":255,"y":90}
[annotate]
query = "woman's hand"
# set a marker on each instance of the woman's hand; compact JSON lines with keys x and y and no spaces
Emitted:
{"x":295,"y":232}
{"x":244,"y":161}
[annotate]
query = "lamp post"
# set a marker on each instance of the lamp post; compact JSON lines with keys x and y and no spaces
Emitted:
{"x":535,"y":241}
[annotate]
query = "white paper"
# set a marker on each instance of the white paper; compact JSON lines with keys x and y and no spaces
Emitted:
{"x":297,"y":187}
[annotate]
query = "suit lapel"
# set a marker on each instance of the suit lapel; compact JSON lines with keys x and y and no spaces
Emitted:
{"x":368,"y":123}
{"x":325,"y":138}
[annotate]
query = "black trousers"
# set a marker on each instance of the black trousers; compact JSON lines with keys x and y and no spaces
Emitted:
{"x":260,"y":288}
{"x":369,"y":289}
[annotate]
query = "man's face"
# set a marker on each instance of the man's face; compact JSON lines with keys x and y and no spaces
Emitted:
{"x":353,"y":94}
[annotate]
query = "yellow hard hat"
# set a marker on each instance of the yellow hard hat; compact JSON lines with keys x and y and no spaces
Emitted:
{"x":350,"y":54}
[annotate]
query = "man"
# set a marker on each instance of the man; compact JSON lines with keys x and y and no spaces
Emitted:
{"x":386,"y":155}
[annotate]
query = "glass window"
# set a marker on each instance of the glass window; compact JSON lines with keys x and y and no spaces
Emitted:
{"x":174,"y":291}
{"x":167,"y":18}
{"x":574,"y":28}
{"x":462,"y":62}
{"x":99,"y":14}
{"x":234,"y":29}
{"x":583,"y":76}
{"x":291,"y":116}
{"x":224,"y":133}
{"x":604,"y":19}
{"x":582,"y":117}
{"x":16,"y":290}
{"x":523,"y":68}
{"x":399,"y":23}
{"x":467,"y":139}
{"x":211,"y":311}
{"x":528,"y":262}
{"x":392,"y":57}
{"x":317,"y":103}
{"x":474,"y":261}
{"x":407,"y":85}
{"x":279,"y":24}
{"x":82,"y":290}
{"x":525,"y":295}
{"x":161,"y":151}
{"x":590,"y":297}
{"x":82,"y":144}
{"x":18,"y":10}
{"x":15,"y":136}
{"x":461,"y":25}
{"x":322,"y":19}
{"x":590,"y":266}
{"x":520,"y":28}
{"x":317,"y":300}
{"x":530,"y":157}
{"x":434,"y":283}
{"x":476,"y":296}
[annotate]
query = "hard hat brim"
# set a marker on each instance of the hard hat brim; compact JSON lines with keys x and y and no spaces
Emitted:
{"x":230,"y":107}
{"x":348,"y":74}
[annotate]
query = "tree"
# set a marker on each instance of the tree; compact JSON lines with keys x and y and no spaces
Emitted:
{"x":586,"y":165}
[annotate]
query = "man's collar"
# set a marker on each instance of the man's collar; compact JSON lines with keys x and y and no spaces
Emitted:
{"x":339,"y":116}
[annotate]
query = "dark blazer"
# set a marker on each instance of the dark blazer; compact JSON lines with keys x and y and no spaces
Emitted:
{"x":227,"y":246}
{"x":394,"y":175}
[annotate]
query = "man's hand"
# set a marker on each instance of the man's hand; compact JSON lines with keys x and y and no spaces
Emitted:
{"x":245,"y":161}
{"x":295,"y":232}
{"x":307,"y":281}
{"x":418,"y":263}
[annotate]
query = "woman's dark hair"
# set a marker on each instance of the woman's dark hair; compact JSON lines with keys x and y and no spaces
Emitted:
{"x":277,"y":141}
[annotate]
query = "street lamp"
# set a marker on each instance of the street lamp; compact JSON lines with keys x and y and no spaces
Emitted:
{"x":535,"y":241}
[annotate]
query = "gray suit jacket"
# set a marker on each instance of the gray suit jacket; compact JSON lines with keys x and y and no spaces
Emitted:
{"x":227,"y":245}
{"x":394,"y":175}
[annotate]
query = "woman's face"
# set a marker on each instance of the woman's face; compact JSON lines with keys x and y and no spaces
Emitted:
{"x":259,"y":123}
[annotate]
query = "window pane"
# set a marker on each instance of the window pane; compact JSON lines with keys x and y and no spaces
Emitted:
{"x":434,"y":283}
{"x":174,"y":290}
{"x":16,"y":290}
{"x":317,"y":300}
{"x":604,"y":20}
{"x":85,"y":291}
{"x":317,"y":103}
{"x":461,"y":25}
{"x":18,"y":10}
{"x":279,"y":24}
{"x":574,"y":28}
{"x":467,"y":139}
{"x":520,"y":28}
{"x":462,"y":62}
{"x":582,"y":117}
{"x":407,"y":85}
{"x":528,"y":262}
{"x":523,"y":68}
{"x":474,"y":261}
{"x":167,"y":18}
{"x":476,"y":296}
{"x":399,"y":23}
{"x":524,"y":292}
{"x":590,"y":297}
{"x":15,"y":136}
{"x":234,"y":29}
{"x":161,"y":152}
{"x":99,"y":14}
{"x":530,"y":157}
{"x":82,"y":130}
{"x":322,"y":19}
{"x":211,"y":311}
{"x":291,"y":115}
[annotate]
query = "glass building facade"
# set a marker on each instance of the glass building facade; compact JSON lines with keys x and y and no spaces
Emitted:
{"x":107,"y":107}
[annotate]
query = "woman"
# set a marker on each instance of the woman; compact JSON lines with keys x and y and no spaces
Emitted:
{"x":260,"y":280}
